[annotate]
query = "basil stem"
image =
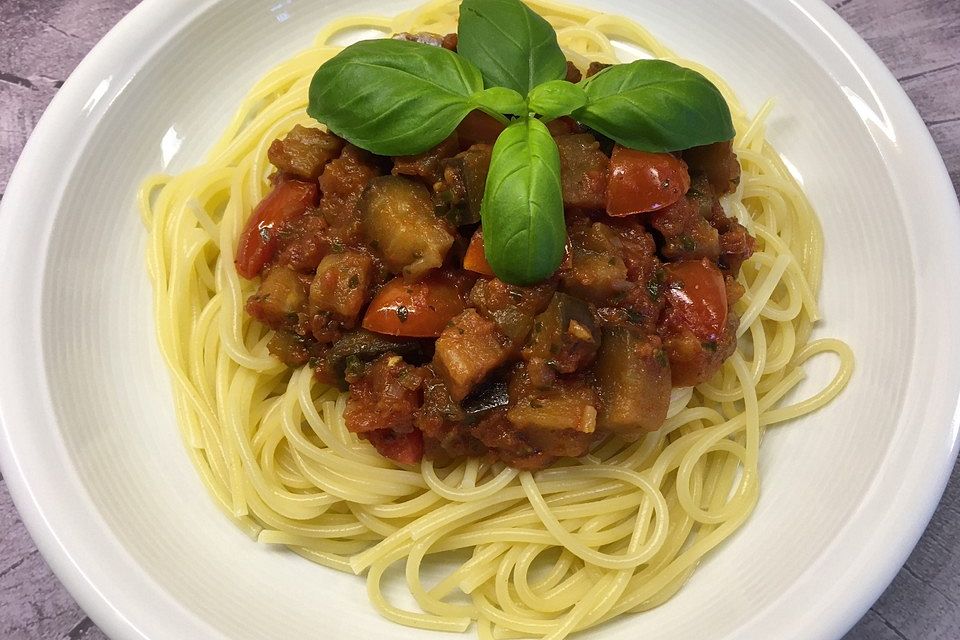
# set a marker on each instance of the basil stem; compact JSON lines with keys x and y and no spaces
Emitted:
{"x":656,"y":106}
{"x":394,"y":97}
{"x":511,"y":45}
{"x":524,"y":232}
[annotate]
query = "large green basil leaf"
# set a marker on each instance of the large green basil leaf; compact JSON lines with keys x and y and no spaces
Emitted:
{"x":522,"y":213}
{"x":656,"y":106}
{"x":393,"y":97}
{"x":511,"y":45}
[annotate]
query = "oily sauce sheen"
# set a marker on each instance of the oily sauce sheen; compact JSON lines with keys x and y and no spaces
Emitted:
{"x":371,"y":270}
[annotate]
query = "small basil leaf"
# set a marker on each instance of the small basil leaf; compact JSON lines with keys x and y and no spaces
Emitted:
{"x":393,"y":97}
{"x":501,"y":100}
{"x":511,"y":45}
{"x":522,"y":213}
{"x":655,"y":106}
{"x":557,"y":98}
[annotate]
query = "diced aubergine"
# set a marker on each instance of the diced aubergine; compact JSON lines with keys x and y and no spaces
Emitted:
{"x":633,"y":383}
{"x":281,"y":296}
{"x":584,"y":171}
{"x":398,"y":220}
{"x":687,"y":234}
{"x":598,"y":272}
{"x":342,"y":183}
{"x":459,"y":192}
{"x":341,"y":286}
{"x":565,"y":405}
{"x":491,"y":394}
{"x":362,"y":346}
{"x":511,"y":307}
{"x":290,"y":348}
{"x":304,"y":152}
{"x":565,"y":336}
{"x":439,"y":419}
{"x":427,"y":166}
{"x":718,"y":162}
{"x":469,"y":349}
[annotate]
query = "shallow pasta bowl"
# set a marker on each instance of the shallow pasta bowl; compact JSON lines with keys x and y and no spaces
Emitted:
{"x":94,"y":460}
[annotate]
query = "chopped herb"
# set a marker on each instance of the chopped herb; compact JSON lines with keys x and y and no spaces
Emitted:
{"x":653,"y":288}
{"x":354,"y":281}
{"x":353,"y":366}
{"x":403,"y":313}
{"x":661,"y":357}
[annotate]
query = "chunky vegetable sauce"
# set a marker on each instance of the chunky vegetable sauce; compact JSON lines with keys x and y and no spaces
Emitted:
{"x":372,"y":271}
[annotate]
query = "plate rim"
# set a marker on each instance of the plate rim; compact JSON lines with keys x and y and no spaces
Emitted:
{"x":124,"y":618}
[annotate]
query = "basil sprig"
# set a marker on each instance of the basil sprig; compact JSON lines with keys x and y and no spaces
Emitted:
{"x":394,"y":97}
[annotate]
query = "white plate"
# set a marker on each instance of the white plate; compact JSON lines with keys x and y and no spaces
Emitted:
{"x":96,"y":466}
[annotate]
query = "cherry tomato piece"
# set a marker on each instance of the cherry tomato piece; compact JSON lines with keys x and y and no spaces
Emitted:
{"x":696,"y":298}
{"x":475,"y":259}
{"x":258,"y":242}
{"x":417,"y":309}
{"x":641,"y":182}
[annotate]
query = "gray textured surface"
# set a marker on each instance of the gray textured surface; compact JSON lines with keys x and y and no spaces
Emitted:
{"x":41,"y":41}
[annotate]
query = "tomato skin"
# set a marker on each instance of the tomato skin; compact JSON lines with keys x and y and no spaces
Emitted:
{"x":258,"y":241}
{"x":475,"y":259}
{"x":417,"y":309}
{"x":641,"y":182}
{"x":405,"y":448}
{"x":696,"y":298}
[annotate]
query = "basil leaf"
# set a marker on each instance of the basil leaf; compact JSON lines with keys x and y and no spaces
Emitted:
{"x":393,"y":97}
{"x":511,"y":45}
{"x":522,"y":213}
{"x":501,"y":100}
{"x":557,"y":98}
{"x":655,"y":106}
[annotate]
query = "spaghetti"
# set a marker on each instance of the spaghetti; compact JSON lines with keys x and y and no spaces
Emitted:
{"x":548,"y":553}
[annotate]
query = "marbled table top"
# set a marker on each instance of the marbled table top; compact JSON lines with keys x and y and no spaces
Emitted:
{"x":41,"y":41}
